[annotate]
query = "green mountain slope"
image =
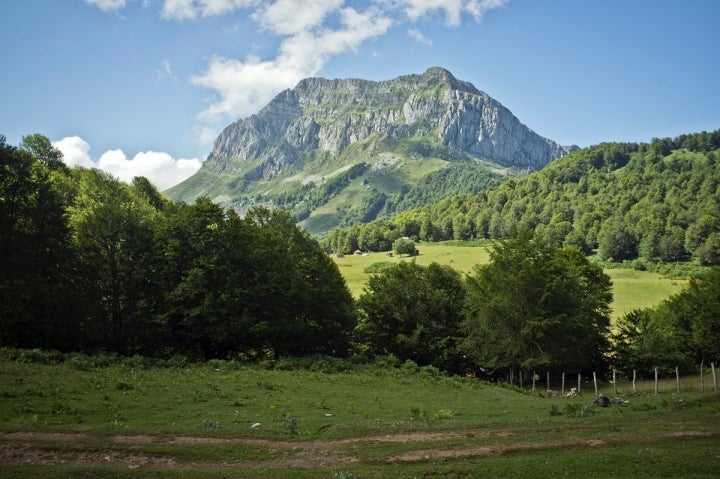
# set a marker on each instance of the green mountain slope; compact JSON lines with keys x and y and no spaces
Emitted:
{"x":658,"y":201}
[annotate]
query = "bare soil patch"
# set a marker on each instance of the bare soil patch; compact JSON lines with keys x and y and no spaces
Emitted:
{"x":36,"y":448}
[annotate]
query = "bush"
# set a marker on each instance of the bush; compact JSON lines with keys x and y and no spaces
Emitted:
{"x":36,"y":356}
{"x":386,"y":362}
{"x":409,"y":367}
{"x":379,"y":267}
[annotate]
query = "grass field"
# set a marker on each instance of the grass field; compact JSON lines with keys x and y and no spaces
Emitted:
{"x":81,"y":417}
{"x":632,"y":289}
{"x":223,"y":419}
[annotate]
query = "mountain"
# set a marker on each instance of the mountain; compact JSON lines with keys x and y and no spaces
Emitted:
{"x":344,"y":151}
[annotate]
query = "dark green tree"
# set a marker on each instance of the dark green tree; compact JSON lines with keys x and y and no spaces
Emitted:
{"x":403,"y":246}
{"x":252,"y":287}
{"x":536,"y":307}
{"x":36,"y":287}
{"x":694,"y":314}
{"x":617,"y":242}
{"x":414,"y":312}
{"x":301,"y":300}
{"x":42,"y":149}
{"x":199,"y":315}
{"x":641,"y":342}
{"x":114,"y":236}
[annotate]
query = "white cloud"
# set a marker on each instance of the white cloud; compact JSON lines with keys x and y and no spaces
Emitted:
{"x":75,"y":150}
{"x":453,"y":9}
{"x":190,"y":9}
{"x":244,"y":86}
{"x":107,"y":5}
{"x":290,"y":17}
{"x":417,"y":35}
{"x":160,"y":168}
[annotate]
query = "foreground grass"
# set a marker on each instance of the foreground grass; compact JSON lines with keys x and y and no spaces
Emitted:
{"x":632,"y":289}
{"x":223,"y":419}
{"x":236,"y":401}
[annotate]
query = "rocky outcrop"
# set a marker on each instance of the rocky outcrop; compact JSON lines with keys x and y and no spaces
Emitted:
{"x":330,"y":115}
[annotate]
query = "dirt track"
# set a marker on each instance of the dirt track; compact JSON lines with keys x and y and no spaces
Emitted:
{"x":32,"y":448}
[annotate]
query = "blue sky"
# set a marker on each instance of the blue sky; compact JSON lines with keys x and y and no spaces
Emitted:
{"x":143,"y":87}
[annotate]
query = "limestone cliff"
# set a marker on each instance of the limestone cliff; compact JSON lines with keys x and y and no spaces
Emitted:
{"x":438,"y":114}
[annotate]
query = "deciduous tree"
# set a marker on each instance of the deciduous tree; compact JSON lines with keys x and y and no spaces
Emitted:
{"x":537,"y":307}
{"x":414,"y":312}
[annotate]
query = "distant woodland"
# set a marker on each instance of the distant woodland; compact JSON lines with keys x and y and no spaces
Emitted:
{"x":91,"y":264}
{"x":655,"y":202}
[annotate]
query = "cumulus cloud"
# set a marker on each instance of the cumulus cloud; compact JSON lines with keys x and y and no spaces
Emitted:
{"x":190,"y":9}
{"x":160,"y":168}
{"x":453,"y":9}
{"x":76,"y":151}
{"x":290,"y":17}
{"x":107,"y":5}
{"x":243,"y":86}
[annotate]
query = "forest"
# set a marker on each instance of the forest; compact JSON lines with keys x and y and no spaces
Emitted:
{"x":656,"y":202}
{"x":92,"y":264}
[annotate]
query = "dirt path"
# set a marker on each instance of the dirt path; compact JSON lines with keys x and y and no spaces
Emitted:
{"x":45,"y":448}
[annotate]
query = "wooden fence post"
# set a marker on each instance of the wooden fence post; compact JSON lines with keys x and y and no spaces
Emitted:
{"x":595,"y":381}
{"x":614,"y":382}
{"x":579,"y":376}
{"x":656,"y":381}
{"x":562,"y":386}
{"x":702,"y":376}
{"x":677,"y":378}
{"x":533,"y":380}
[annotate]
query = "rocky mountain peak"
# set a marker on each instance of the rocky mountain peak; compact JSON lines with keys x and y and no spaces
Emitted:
{"x":428,"y":115}
{"x":332,"y":114}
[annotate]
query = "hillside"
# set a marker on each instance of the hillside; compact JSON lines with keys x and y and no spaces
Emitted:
{"x":347,"y":151}
{"x":658,"y":201}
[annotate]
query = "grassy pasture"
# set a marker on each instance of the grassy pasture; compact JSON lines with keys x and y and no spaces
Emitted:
{"x":632,"y":289}
{"x":72,"y":421}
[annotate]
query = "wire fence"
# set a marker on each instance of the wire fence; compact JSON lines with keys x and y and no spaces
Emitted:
{"x":623,"y":384}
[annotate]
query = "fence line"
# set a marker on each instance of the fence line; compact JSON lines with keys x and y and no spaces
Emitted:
{"x":633,"y":382}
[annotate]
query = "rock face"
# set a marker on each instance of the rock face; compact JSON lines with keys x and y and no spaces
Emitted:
{"x":341,"y":152}
{"x":330,"y":115}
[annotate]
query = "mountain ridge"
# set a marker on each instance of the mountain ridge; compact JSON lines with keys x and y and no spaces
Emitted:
{"x":319,"y":129}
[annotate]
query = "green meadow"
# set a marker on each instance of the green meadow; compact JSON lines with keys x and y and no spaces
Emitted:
{"x":91,"y":417}
{"x":632,"y":289}
{"x":77,"y":416}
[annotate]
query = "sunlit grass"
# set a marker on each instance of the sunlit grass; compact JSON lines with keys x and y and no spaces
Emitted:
{"x":224,"y":419}
{"x":632,"y":289}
